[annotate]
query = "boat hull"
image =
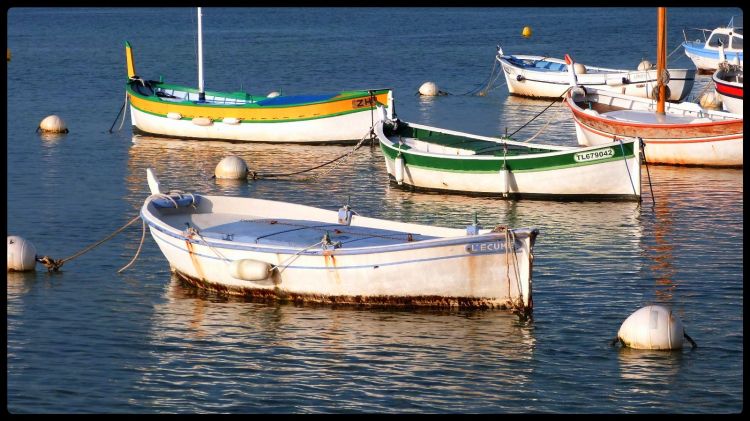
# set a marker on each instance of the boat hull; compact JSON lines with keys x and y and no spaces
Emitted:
{"x":525,"y":81}
{"x":488,"y":270}
{"x":608,"y":172}
{"x":702,"y":142}
{"x":729,"y":87}
{"x":707,"y":60}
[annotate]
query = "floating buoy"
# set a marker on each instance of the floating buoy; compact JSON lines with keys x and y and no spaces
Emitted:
{"x":526,"y":32}
{"x":710,"y":101}
{"x":249,"y":269}
{"x":21,"y":254}
{"x":231,"y":167}
{"x":645,"y":65}
{"x":429,"y":89}
{"x":273,"y":94}
{"x":653,"y":327}
{"x":398,"y":169}
{"x":202,"y":121}
{"x":174,"y":116}
{"x":53,"y":124}
{"x":230,"y":120}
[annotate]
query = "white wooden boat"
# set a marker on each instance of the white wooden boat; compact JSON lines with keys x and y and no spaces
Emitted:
{"x":546,"y":77}
{"x":431,"y":158}
{"x":728,"y":83}
{"x":705,"y":52}
{"x":163,"y":109}
{"x":677,"y":134}
{"x":291,"y":252}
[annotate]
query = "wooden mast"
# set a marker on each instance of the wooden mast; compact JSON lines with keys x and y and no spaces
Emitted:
{"x":661,"y":57}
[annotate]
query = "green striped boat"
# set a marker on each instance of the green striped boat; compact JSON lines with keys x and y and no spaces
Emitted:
{"x":429,"y":158}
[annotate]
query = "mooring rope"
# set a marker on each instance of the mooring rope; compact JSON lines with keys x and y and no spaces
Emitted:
{"x":289,"y":260}
{"x":540,"y":113}
{"x":625,"y":159}
{"x":137,"y":252}
{"x":55,"y":264}
{"x":118,"y":114}
{"x":645,"y":161}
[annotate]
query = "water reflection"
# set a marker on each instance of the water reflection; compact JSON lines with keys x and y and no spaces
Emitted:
{"x":653,"y":367}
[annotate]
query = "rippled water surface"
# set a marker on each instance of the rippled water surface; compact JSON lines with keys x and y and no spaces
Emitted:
{"x":91,"y":340}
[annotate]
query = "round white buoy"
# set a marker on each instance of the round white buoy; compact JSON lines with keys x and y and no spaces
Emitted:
{"x":645,"y":65}
{"x":249,"y":269}
{"x":429,"y":89}
{"x":652,"y":327}
{"x":710,"y":101}
{"x":579,"y":68}
{"x":273,"y":94}
{"x":231,"y":167}
{"x":21,"y":254}
{"x":53,"y":124}
{"x":526,"y":32}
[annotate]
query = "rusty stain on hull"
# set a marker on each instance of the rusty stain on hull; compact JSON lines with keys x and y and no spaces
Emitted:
{"x":276,"y":294}
{"x":194,"y":259}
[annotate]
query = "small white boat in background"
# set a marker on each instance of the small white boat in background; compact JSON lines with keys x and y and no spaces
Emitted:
{"x":431,"y":158}
{"x":677,"y":134}
{"x":291,"y":252}
{"x":705,"y":53}
{"x":546,"y":77}
{"x":728,"y":82}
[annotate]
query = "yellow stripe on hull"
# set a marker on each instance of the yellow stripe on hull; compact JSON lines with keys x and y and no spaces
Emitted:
{"x":257,"y":113}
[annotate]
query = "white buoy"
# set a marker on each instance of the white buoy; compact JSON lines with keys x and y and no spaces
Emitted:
{"x":645,"y":65}
{"x":652,"y":327}
{"x":398,"y":169}
{"x":273,"y":94}
{"x":231,"y":167}
{"x":429,"y":89}
{"x":21,"y":254}
{"x":579,"y":68}
{"x":53,"y":124}
{"x":249,"y":269}
{"x":710,"y":101}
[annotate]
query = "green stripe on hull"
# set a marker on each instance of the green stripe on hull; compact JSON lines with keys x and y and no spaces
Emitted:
{"x":531,"y":163}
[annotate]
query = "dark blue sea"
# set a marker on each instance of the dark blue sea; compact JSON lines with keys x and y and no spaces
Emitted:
{"x":90,"y":340}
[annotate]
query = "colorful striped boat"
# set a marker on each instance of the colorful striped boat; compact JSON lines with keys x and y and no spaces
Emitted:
{"x":171,"y":110}
{"x":290,"y":252}
{"x":430,"y":158}
{"x":729,"y":85}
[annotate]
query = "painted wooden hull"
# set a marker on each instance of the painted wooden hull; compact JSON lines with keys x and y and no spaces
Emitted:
{"x":601,"y":172}
{"x":686,"y":135}
{"x":378,"y":262}
{"x":729,"y":87}
{"x":551,"y":80}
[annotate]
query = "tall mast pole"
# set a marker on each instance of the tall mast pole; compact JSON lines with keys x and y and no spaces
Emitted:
{"x":661,"y":57}
{"x":201,"y":92}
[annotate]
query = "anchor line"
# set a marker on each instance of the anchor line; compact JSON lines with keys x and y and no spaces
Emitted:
{"x":540,"y":113}
{"x":625,"y":159}
{"x":137,"y":252}
{"x":645,"y":161}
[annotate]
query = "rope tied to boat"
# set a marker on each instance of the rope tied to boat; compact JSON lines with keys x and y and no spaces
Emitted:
{"x":625,"y":159}
{"x":54,"y":265}
{"x":540,"y":113}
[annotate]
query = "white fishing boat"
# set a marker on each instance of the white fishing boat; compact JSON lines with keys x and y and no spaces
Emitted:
{"x":728,"y":83}
{"x":164,"y":109}
{"x":705,"y":52}
{"x":431,"y":158}
{"x":677,"y":134}
{"x":547,"y":77}
{"x":291,"y":252}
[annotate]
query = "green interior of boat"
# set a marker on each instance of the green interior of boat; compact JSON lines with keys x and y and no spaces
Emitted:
{"x":479,"y":146}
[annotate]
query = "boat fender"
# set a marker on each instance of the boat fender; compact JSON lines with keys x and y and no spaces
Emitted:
{"x":505,"y":180}
{"x":474,"y":228}
{"x":520,"y":78}
{"x":653,"y":327}
{"x":645,"y":65}
{"x":398,"y":170}
{"x":231,"y":167}
{"x":615,"y":82}
{"x":345,"y":215}
{"x":249,"y":270}
{"x":655,"y":92}
{"x":21,"y":254}
{"x":230,"y":120}
{"x":579,"y":68}
{"x":710,"y":101}
{"x":273,"y":94}
{"x":202,"y":121}
{"x":578,"y":94}
{"x":174,"y":116}
{"x":590,"y":111}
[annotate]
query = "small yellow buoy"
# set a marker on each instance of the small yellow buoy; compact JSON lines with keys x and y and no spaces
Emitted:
{"x":21,"y":254}
{"x":710,"y":101}
{"x":231,"y":167}
{"x":526,"y":31}
{"x":429,"y":89}
{"x":53,"y":124}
